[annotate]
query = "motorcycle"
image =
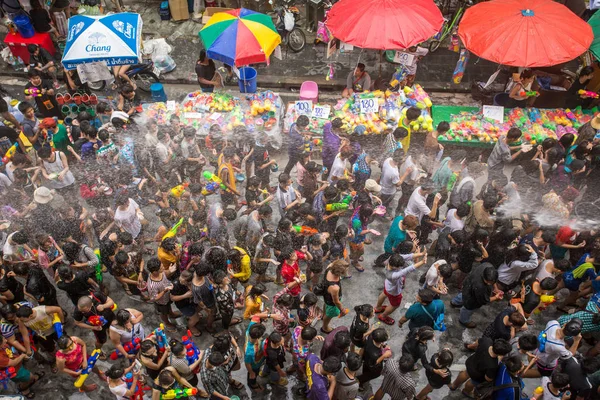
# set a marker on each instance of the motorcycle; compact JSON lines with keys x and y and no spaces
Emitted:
{"x":287,"y":26}
{"x":144,"y":75}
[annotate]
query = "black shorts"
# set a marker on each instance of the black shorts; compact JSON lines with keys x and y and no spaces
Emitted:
{"x":163,"y":308}
{"x":437,"y":381}
{"x":228,"y":199}
{"x":102,"y":336}
{"x":48,"y":343}
{"x":543,"y":370}
{"x":358,"y":343}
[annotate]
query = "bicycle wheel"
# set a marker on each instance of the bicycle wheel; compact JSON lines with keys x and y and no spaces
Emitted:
{"x":434,"y":45}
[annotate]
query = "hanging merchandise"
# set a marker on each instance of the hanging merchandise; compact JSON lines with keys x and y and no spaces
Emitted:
{"x":454,"y":43}
{"x":330,"y":73}
{"x":461,"y":65}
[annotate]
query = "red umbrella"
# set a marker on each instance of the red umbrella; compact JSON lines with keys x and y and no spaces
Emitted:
{"x":524,"y":33}
{"x":384,"y":24}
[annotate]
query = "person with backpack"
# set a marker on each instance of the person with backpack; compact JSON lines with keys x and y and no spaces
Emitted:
{"x":508,"y":385}
{"x":552,"y":346}
{"x":427,"y":311}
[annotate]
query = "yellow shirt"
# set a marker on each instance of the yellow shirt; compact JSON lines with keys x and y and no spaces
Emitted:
{"x":253,"y":306}
{"x":246,"y":271}
{"x":406,"y":141}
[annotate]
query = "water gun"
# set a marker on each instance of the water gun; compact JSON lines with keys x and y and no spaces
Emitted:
{"x":33,"y":92}
{"x":6,"y":375}
{"x":422,"y":97}
{"x":179,"y":393}
{"x":210,"y":188}
{"x":305,"y":230}
{"x":11,"y":151}
{"x":330,"y":73}
{"x":96,"y":320}
{"x":161,"y":338}
{"x":139,"y":391}
{"x":317,"y":142}
{"x":530,"y":93}
{"x":343,"y":205}
{"x":192,"y":353}
{"x":173,"y":231}
{"x":588,"y":93}
{"x":537,"y":392}
{"x":570,"y":115}
{"x":209,"y":176}
{"x":98,"y":267}
{"x":545,"y":301}
{"x":91,"y":361}
{"x":131,"y":348}
{"x":58,"y":326}
{"x":178,"y":190}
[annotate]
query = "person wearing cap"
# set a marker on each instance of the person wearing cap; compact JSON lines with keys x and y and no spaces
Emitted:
{"x":589,"y":130}
{"x":332,"y":142}
{"x":372,"y":188}
{"x":58,"y":134}
{"x":358,"y":81}
{"x":555,"y":348}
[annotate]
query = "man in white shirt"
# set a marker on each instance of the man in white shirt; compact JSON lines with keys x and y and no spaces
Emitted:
{"x":340,"y":163}
{"x":412,"y":56}
{"x":417,"y":205}
{"x":555,"y":347}
{"x":411,"y":180}
{"x":391,"y":181}
{"x":286,"y":195}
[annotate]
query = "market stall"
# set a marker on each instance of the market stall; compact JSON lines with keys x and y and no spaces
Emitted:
{"x":475,"y":127}
{"x":258,"y":113}
{"x":367,"y":113}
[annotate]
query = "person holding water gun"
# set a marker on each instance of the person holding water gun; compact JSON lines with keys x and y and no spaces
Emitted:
{"x":40,"y":320}
{"x":180,"y":360}
{"x":73,"y":360}
{"x":95,"y":312}
{"x":518,"y":94}
{"x":577,"y":95}
{"x":168,"y":384}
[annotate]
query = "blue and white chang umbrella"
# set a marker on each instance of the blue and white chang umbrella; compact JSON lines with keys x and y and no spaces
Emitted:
{"x":115,"y":39}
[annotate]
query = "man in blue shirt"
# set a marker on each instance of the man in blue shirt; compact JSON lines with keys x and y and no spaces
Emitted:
{"x":508,"y":374}
{"x":297,"y":142}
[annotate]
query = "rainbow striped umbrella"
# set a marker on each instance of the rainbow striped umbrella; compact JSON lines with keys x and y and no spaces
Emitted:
{"x":240,"y":37}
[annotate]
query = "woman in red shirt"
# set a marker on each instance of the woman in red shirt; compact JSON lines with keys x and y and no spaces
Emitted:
{"x":290,"y":270}
{"x":71,"y":358}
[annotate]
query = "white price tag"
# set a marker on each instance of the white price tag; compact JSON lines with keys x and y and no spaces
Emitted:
{"x":369,"y":105}
{"x":171,"y":105}
{"x":193,"y":115}
{"x":404,"y":58}
{"x":303,"y":107}
{"x":215,"y":116}
{"x":321,"y":112}
{"x":494,"y":112}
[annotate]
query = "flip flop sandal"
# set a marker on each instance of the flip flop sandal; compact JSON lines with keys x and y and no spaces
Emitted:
{"x":361,"y":269}
{"x":379,"y":310}
{"x":30,"y":395}
{"x":236,"y":384}
{"x":325,"y":332}
{"x":196,"y":334}
{"x":386,"y":320}
{"x":102,"y":356}
{"x":530,"y":322}
{"x":235,"y":321}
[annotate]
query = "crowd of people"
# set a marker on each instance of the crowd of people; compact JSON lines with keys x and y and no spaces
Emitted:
{"x":204,"y":227}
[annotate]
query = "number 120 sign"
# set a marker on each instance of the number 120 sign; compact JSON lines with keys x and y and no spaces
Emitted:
{"x":369,"y":106}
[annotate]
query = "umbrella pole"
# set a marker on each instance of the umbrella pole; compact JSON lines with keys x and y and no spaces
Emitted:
{"x":380,"y":66}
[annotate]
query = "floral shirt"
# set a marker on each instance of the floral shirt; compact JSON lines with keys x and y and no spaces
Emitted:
{"x":126,"y":155}
{"x":225,"y":299}
{"x":554,"y":204}
{"x":282,"y":326}
{"x":300,"y":352}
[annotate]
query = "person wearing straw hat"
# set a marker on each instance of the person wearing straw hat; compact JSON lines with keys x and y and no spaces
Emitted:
{"x":589,"y":130}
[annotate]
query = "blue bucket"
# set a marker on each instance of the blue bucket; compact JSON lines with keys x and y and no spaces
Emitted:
{"x":158,"y":92}
{"x":24,"y":26}
{"x":247,"y":80}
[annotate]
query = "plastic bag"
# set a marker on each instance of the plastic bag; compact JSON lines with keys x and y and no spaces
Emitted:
{"x":289,"y":21}
{"x":158,"y":50}
{"x":7,"y":56}
{"x":323,"y":33}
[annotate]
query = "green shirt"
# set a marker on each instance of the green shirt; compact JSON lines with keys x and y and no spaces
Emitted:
{"x":61,"y":139}
{"x":418,"y":317}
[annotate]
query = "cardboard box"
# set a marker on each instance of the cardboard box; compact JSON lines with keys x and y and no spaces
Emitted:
{"x":179,"y":10}
{"x":212,"y":10}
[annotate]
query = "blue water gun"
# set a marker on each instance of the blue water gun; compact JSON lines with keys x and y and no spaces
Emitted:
{"x":58,"y":326}
{"x":192,"y":353}
{"x":161,"y":338}
{"x":91,"y":362}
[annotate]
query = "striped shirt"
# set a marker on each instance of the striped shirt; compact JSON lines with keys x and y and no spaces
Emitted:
{"x":155,"y":287}
{"x":398,"y":385}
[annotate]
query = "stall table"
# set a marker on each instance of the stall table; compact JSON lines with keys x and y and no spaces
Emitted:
{"x":18,"y":44}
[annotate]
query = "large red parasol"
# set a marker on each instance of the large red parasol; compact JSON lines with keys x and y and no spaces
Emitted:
{"x":524,"y":33}
{"x":384,"y":24}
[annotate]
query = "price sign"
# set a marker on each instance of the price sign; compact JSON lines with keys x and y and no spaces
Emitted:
{"x":404,"y":58}
{"x":215,"y":116}
{"x":303,"y":107}
{"x":369,"y":106}
{"x":171,"y":105}
{"x":321,"y":112}
{"x":193,"y":115}
{"x":494,"y":112}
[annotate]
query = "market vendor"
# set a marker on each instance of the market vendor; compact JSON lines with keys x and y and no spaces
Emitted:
{"x":208,"y":77}
{"x":589,"y":130}
{"x":358,"y":81}
{"x":518,"y":94}
{"x":575,"y":99}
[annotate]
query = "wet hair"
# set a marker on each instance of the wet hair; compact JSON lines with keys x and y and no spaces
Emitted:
{"x":463,"y":210}
{"x":426,"y":295}
{"x":153,"y":265}
{"x":528,"y":342}
{"x":445,"y":358}
{"x":406,"y":363}
{"x":218,"y":276}
{"x":342,"y":340}
{"x":127,"y":89}
{"x":443,"y":127}
{"x":573,"y":327}
{"x":330,"y":192}
{"x":446,"y":270}
{"x":115,"y":372}
{"x":513,"y":363}
{"x":501,"y":347}
{"x":309,"y":299}
{"x":203,"y":268}
{"x":284,"y":225}
{"x":257,"y":331}
{"x":379,"y":335}
{"x":24,"y":106}
{"x":567,"y":140}
{"x":222,"y":343}
{"x":269,"y":240}
{"x":24,"y":312}
{"x":343,"y":184}
{"x":396,"y":261}
{"x":400,"y":133}
{"x":122,"y":200}
{"x":257,"y":290}
{"x":490,"y":202}
{"x":514,"y":133}
{"x":20,"y":237}
{"x":562,"y":264}
{"x":548,"y":283}
{"x":147,"y":345}
{"x":165,"y":377}
{"x":424,"y":333}
{"x":560,"y":380}
{"x":123,"y":316}
{"x":302,"y":121}
{"x":285,"y":300}
{"x":169,"y":244}
{"x":490,"y":274}
{"x":229,"y":214}
{"x":21,"y":269}
{"x":216,"y":358}
{"x":341,"y":231}
{"x":275,"y":337}
{"x":287,"y":252}
{"x":308,"y":333}
{"x":516,"y":319}
{"x":366,"y":310}
{"x":406,"y":247}
{"x":332,"y":364}
{"x":365,"y":212}
{"x":121,"y":257}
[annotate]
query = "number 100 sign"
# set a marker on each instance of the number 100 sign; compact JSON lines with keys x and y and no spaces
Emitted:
{"x":369,"y":106}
